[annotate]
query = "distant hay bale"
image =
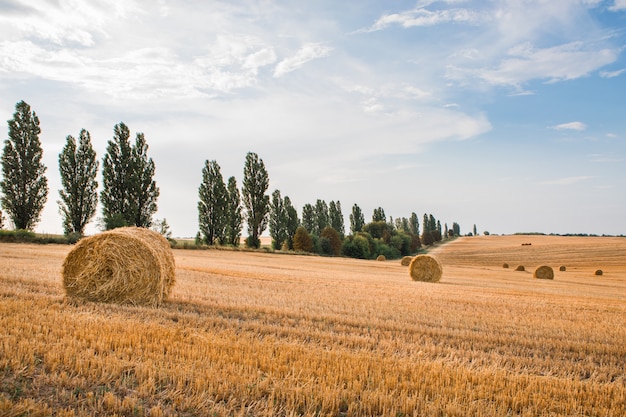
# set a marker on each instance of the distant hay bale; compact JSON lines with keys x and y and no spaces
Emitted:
{"x":562,"y":268}
{"x":381,"y":258}
{"x":129,"y":265}
{"x":425,"y":268}
{"x":520,"y":268}
{"x":544,"y":272}
{"x":599,"y":272}
{"x":505,"y":265}
{"x":406,"y":260}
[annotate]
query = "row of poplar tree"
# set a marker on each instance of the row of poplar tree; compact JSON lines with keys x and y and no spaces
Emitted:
{"x":129,"y":198}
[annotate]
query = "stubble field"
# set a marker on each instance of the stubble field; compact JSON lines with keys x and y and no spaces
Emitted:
{"x":258,"y":334}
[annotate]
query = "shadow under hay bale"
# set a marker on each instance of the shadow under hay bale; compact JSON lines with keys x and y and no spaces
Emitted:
{"x":425,"y":268}
{"x":562,"y":268}
{"x":520,"y":268}
{"x":505,"y":265}
{"x":406,"y":260}
{"x":129,"y":265}
{"x":599,"y":272}
{"x":544,"y":272}
{"x":381,"y":258}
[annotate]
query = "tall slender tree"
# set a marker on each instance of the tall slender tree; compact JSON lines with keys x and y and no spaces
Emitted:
{"x":233,"y":213}
{"x":336,"y":217}
{"x":278,"y":220}
{"x":255,"y":184}
{"x":145,"y":190}
{"x":78,"y":167}
{"x":129,"y":192}
{"x":379,"y":215}
{"x":212,"y":204}
{"x":414,"y":226}
{"x":292,"y":221}
{"x":24,"y":185}
{"x":357,"y":219}
{"x":309,"y":221}
{"x":321,"y":216}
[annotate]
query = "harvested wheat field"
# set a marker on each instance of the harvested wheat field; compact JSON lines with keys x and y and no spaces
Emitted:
{"x":258,"y":334}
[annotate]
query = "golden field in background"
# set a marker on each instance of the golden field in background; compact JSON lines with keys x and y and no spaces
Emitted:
{"x":260,"y":334}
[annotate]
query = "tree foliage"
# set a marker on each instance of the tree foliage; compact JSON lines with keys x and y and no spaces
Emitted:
{"x":129,"y":192}
{"x":78,"y":167}
{"x":357,"y":219}
{"x":278,"y":220}
{"x":335,"y":217}
{"x":330,"y":235}
{"x":212,"y":204}
{"x":321,"y":217}
{"x":309,"y":221}
{"x":255,"y":184}
{"x":24,"y":185}
{"x":234,"y":217}
{"x":379,"y":215}
{"x":292,"y":221}
{"x":302,"y":240}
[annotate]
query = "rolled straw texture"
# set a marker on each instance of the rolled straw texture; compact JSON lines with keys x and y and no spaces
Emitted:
{"x":129,"y":265}
{"x":425,"y":268}
{"x":544,"y":272}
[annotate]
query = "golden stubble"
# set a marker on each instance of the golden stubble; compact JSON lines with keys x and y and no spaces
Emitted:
{"x":262,"y":334}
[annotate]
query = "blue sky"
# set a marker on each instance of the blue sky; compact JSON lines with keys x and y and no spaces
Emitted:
{"x":508,"y":114}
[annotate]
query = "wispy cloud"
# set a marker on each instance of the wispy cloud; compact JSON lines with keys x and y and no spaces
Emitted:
{"x":567,"y":180}
{"x":423,"y":17}
{"x":579,"y":126}
{"x":612,"y":74}
{"x":306,"y":53}
{"x":618,"y":5}
{"x":525,"y":62}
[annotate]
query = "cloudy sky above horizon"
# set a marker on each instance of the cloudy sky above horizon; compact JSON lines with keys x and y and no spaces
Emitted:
{"x":507,"y":114}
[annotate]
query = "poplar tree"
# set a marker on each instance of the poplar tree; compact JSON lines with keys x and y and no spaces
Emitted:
{"x":278,"y":220}
{"x":212,"y":206}
{"x":321,"y":216}
{"x":145,"y":190}
{"x":234,"y":217}
{"x":379,"y":215}
{"x":292,"y":221}
{"x":357,"y":219}
{"x":335,"y":216}
{"x":78,"y":168}
{"x":309,"y":221}
{"x":129,"y":193}
{"x":24,"y":185}
{"x":255,"y":184}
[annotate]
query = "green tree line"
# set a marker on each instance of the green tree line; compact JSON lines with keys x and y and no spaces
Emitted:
{"x":129,"y":198}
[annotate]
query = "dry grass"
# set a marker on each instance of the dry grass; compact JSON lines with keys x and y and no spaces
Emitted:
{"x":129,"y":265}
{"x":406,"y":260}
{"x":256,"y":334}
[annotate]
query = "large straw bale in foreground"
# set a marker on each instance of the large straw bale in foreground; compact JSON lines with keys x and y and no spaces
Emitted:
{"x":129,"y":265}
{"x":425,"y":268}
{"x":544,"y":272}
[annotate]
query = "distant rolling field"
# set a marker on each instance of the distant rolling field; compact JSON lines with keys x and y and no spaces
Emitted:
{"x":260,"y":334}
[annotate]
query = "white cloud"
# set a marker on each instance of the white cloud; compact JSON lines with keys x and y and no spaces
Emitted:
{"x":579,"y":126}
{"x":306,"y":53}
{"x":612,"y":74}
{"x":422,"y":17}
{"x":618,"y":5}
{"x":524,"y":63}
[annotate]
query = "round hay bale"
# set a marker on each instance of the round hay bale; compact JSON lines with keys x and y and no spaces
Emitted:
{"x":562,"y":268}
{"x":599,"y":272}
{"x":520,"y":268}
{"x":129,"y":265}
{"x":505,"y":265}
{"x":406,"y":260}
{"x":381,"y":258}
{"x":544,"y":272}
{"x":425,"y":268}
